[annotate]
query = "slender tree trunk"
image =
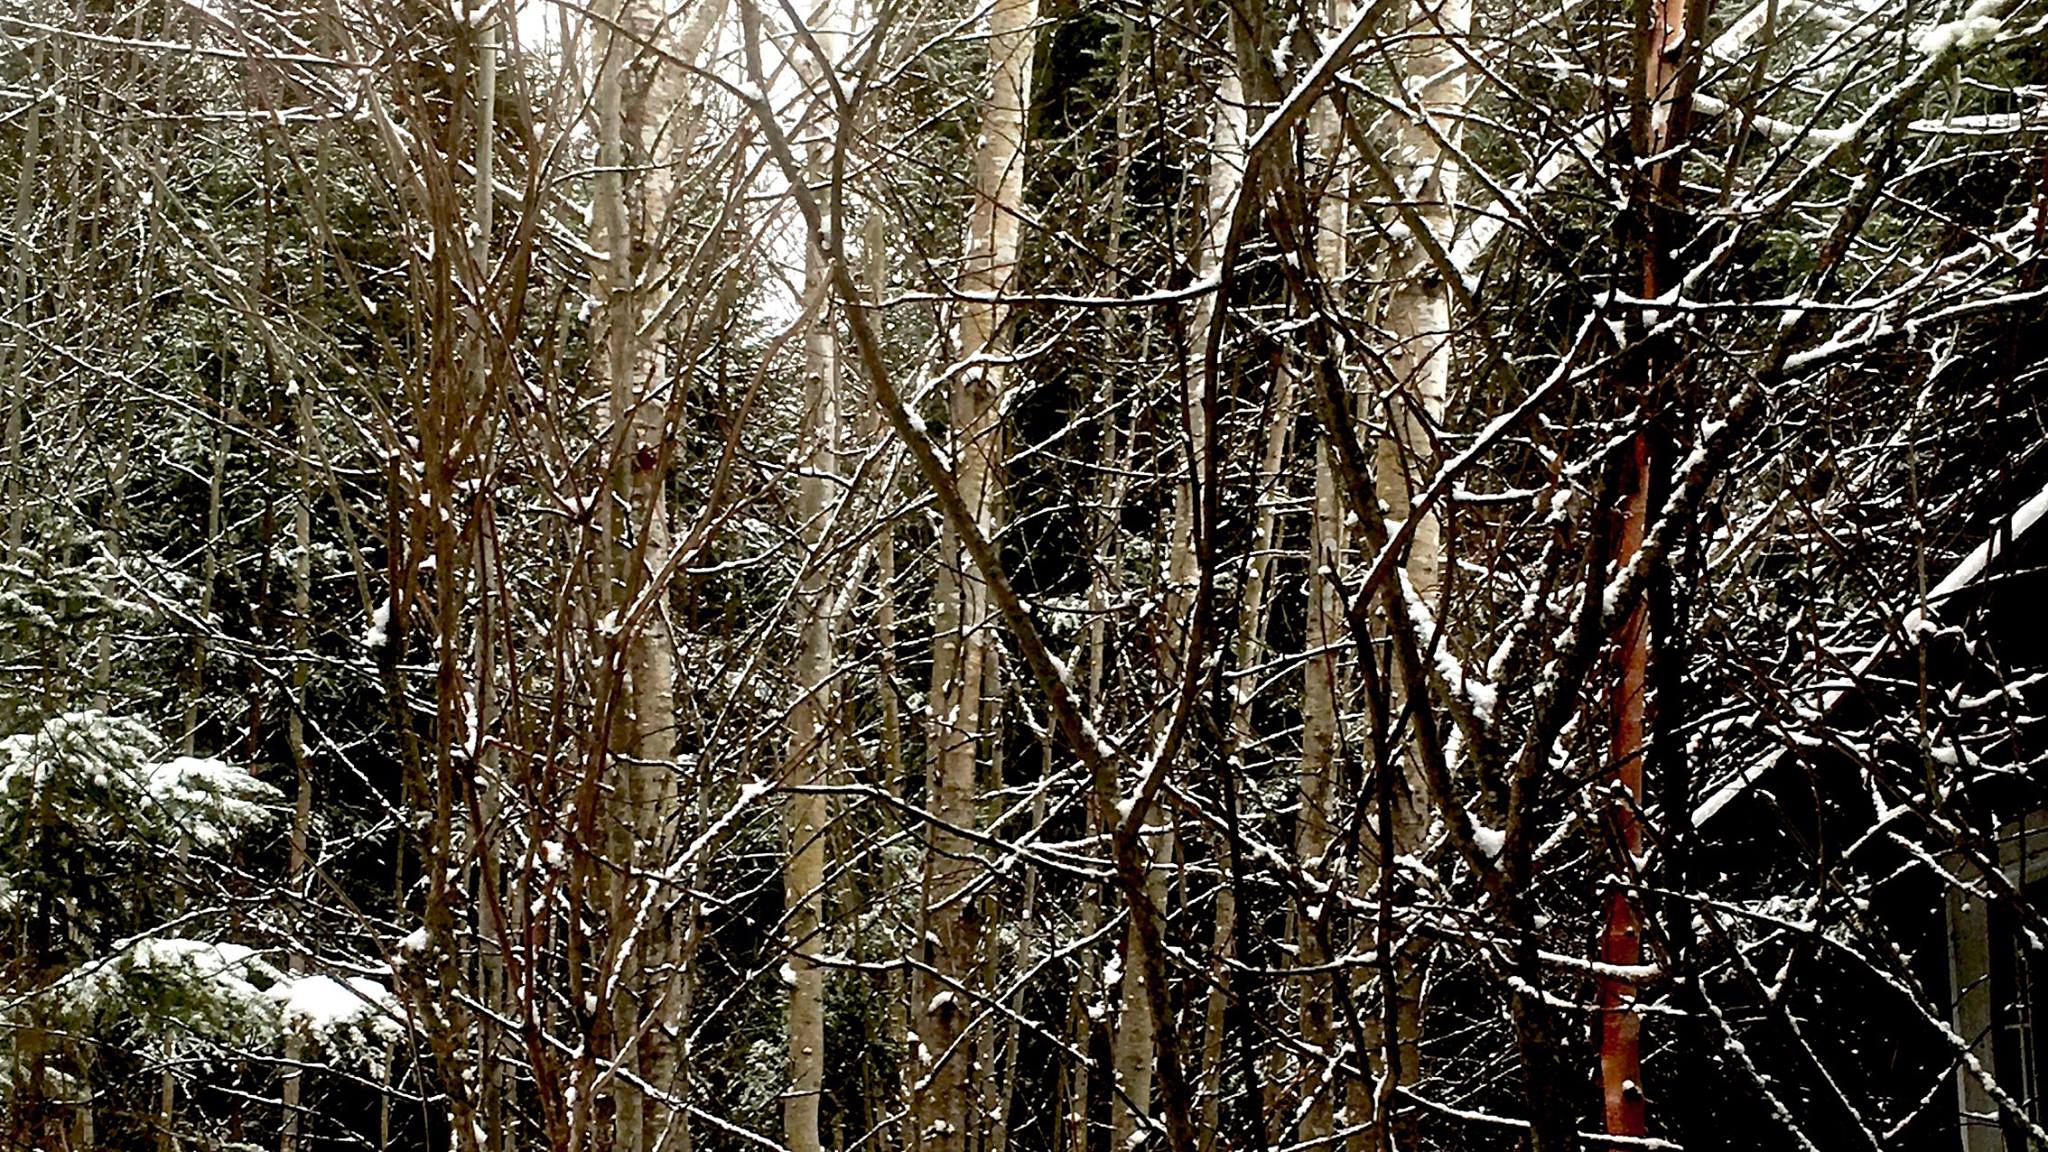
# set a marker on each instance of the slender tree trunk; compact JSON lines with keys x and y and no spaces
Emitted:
{"x":642,"y":136}
{"x":812,"y":745}
{"x":188,"y":728}
{"x":209,"y":569}
{"x":1315,"y":821}
{"x":1668,"y":36}
{"x":116,"y":528}
{"x":1003,"y":1086}
{"x":18,"y":359}
{"x":295,"y":739}
{"x":961,"y":624}
{"x":812,"y":729}
{"x":1418,"y":312}
{"x":1251,"y":648}
{"x":1417,"y":318}
{"x":1084,"y":1006}
{"x":1131,"y":1053}
{"x":1133,"y":1048}
{"x":301,"y":414}
{"x":499,"y":1081}
{"x":875,"y":257}
{"x":1322,"y":690}
{"x":1084,"y":1009}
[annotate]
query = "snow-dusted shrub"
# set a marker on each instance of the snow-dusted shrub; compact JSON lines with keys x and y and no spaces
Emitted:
{"x":171,"y":986}
{"x":105,"y":776}
{"x":176,"y":991}
{"x":92,"y":810}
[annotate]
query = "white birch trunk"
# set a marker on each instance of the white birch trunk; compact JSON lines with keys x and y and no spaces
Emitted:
{"x":961,"y":632}
{"x":1417,"y":319}
{"x":1132,"y":1048}
{"x":642,"y":136}
{"x":1322,"y":691}
{"x":812,"y":746}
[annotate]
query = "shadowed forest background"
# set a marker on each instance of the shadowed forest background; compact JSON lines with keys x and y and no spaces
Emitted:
{"x":1023,"y":575}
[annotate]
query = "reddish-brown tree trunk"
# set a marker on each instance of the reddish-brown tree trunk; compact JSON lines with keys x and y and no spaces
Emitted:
{"x":1621,"y":939}
{"x":1667,"y":68}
